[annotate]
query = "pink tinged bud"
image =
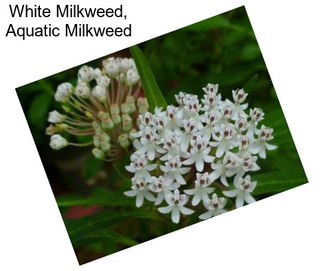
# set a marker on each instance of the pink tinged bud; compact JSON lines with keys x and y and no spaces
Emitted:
{"x":116,"y":118}
{"x":98,"y":154}
{"x":124,"y":141}
{"x":126,"y":122}
{"x":143,"y":109}
{"x":142,"y":101}
{"x":125,"y":108}
{"x":96,"y":140}
{"x":130,"y":100}
{"x":114,"y":109}
{"x":106,"y":147}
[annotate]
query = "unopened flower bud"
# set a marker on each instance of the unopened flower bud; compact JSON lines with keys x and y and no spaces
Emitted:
{"x":98,"y":154}
{"x":82,"y":90}
{"x":106,"y":121}
{"x":99,"y":93}
{"x":125,"y":108}
{"x":60,"y":127}
{"x":66,"y":109}
{"x":111,"y":68}
{"x":55,"y":117}
{"x":86,"y":73}
{"x":103,"y":81}
{"x":116,"y":118}
{"x":114,"y":108}
{"x":104,"y":138}
{"x":132,"y":77}
{"x":126,"y":122}
{"x":89,"y":114}
{"x":57,"y":142}
{"x":106,"y":147}
{"x":50,"y":130}
{"x":142,"y":101}
{"x":131,"y":132}
{"x":130,"y":99}
{"x":124,"y":141}
{"x":143,"y":109}
{"x":63,"y":92}
{"x":97,"y":127}
{"x":132,"y":108}
{"x":96,"y":140}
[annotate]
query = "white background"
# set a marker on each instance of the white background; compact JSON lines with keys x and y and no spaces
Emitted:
{"x":283,"y":232}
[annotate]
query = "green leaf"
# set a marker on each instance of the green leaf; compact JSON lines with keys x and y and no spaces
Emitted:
{"x":274,"y":182}
{"x":102,"y":235}
{"x":99,"y":196}
{"x":92,"y":166}
{"x":151,"y":89}
{"x":86,"y":225}
{"x":37,"y":113}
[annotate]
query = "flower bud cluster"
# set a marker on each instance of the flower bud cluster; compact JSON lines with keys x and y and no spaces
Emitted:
{"x":198,"y":154}
{"x":103,"y":106}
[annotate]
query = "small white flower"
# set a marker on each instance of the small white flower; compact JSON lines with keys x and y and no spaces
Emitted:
{"x":176,"y":202}
{"x":82,"y":90}
{"x":174,"y":171}
{"x":211,"y":88}
{"x":140,"y":190}
{"x":242,"y":192}
{"x":63,"y":92}
{"x":55,"y":117}
{"x":99,"y":92}
{"x":225,"y":141}
{"x":201,"y":189}
{"x":57,"y":142}
{"x":260,"y":145}
{"x":199,"y":154}
{"x":139,"y":166}
{"x":229,"y":162}
{"x":215,"y":206}
{"x":161,"y":187}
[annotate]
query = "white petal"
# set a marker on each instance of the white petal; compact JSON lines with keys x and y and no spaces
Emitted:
{"x":165,"y":210}
{"x":249,"y":199}
{"x":184,"y":170}
{"x":175,"y":215}
{"x":199,"y":164}
{"x":151,"y":167}
{"x":185,"y":211}
{"x":149,"y":196}
{"x":179,"y":178}
{"x":231,"y":193}
{"x":220,"y":150}
{"x":131,"y":193}
{"x":196,"y":199}
{"x":189,"y":161}
{"x":206,"y":215}
{"x":164,"y":169}
{"x":240,"y":200}
{"x":224,"y":180}
{"x":190,"y":191}
{"x":270,"y":147}
{"x":139,"y":199}
{"x":159,"y":199}
{"x":151,"y":154}
{"x":208,"y":158}
{"x":130,"y":169}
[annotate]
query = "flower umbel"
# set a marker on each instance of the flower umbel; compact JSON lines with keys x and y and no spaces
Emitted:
{"x":199,"y":154}
{"x":101,"y":107}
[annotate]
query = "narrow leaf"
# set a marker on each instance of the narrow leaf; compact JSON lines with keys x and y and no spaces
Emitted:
{"x":151,"y":89}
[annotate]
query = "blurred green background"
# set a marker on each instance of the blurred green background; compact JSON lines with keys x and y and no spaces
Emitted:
{"x":99,"y":219}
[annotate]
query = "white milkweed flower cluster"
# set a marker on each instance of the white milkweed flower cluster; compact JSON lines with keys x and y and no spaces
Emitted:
{"x":198,"y":154}
{"x":103,"y":105}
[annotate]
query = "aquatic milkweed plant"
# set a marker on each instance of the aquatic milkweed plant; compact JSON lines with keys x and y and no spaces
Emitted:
{"x":185,"y":158}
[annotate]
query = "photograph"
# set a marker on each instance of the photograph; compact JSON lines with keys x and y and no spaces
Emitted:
{"x":161,"y":135}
